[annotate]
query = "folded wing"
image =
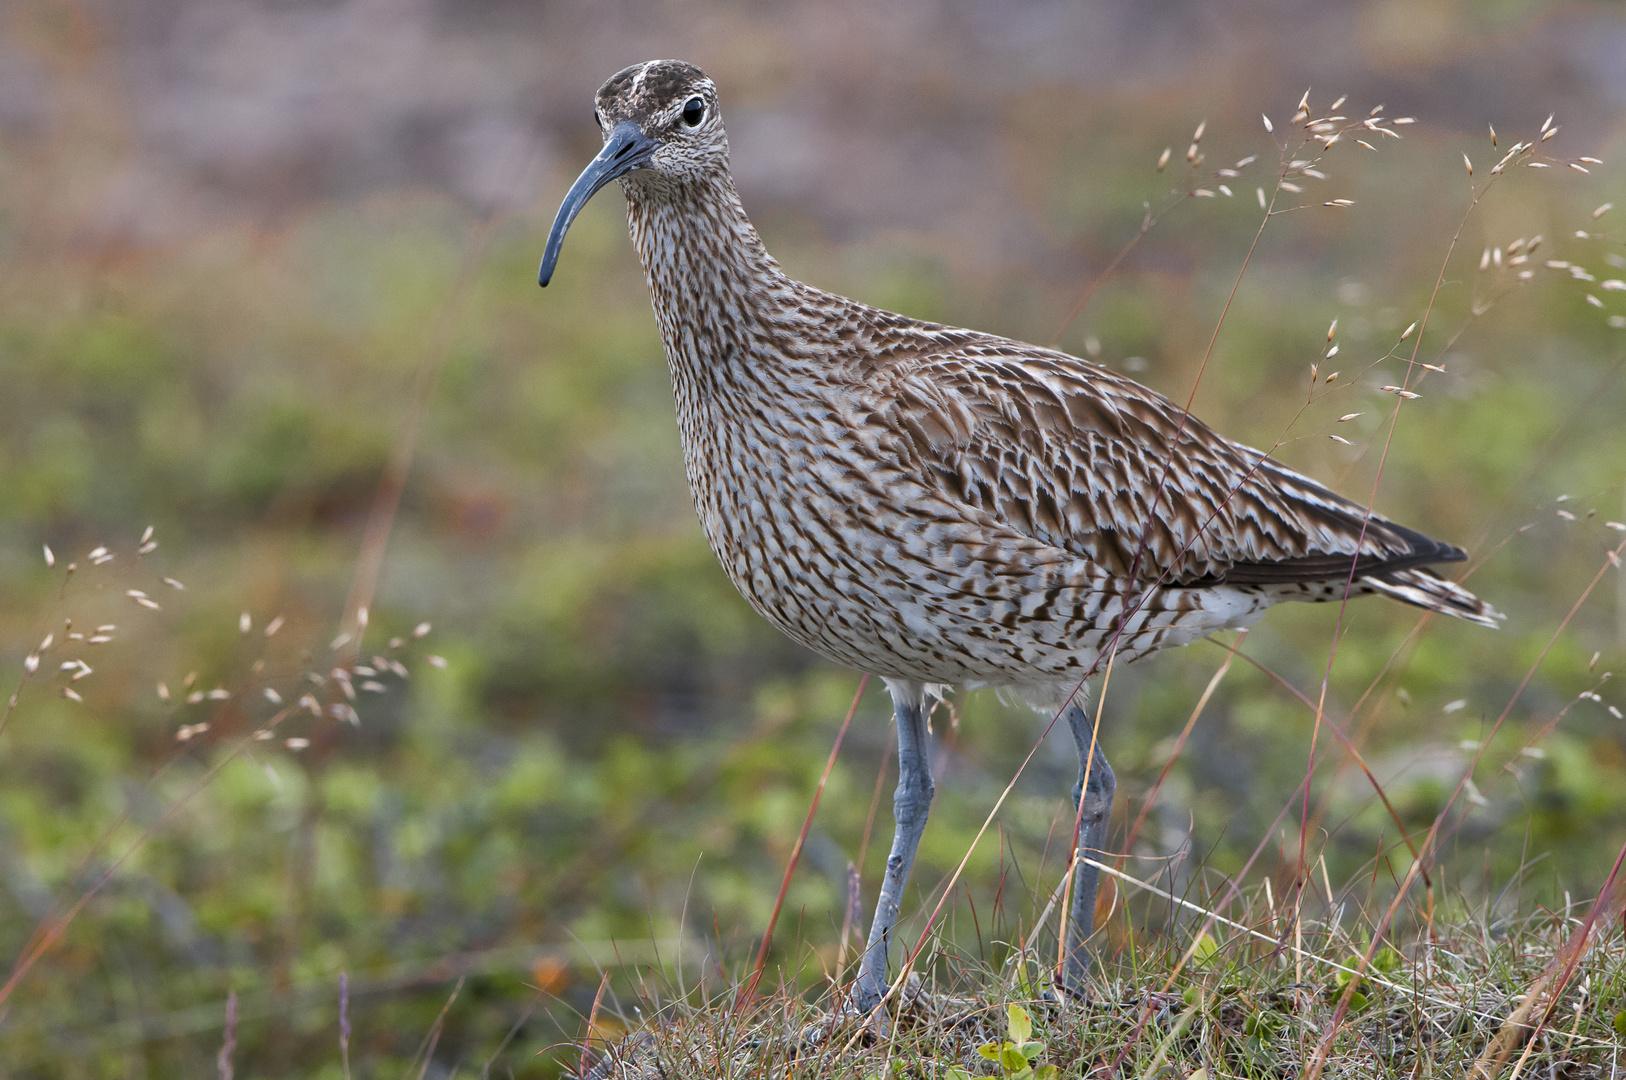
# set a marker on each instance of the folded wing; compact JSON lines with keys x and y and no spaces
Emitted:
{"x":1083,"y":458}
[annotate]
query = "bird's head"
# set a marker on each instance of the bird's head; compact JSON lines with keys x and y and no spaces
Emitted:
{"x":659,"y":119}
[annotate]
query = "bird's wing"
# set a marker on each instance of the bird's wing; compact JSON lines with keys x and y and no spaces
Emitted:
{"x":1074,"y":454}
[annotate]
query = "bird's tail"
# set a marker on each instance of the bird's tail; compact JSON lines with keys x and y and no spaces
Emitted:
{"x":1427,"y":589}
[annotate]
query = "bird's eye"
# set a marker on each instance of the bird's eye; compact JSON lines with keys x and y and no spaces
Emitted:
{"x":693,"y":112}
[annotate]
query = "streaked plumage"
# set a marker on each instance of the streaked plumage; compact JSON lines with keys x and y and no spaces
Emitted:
{"x":941,"y":506}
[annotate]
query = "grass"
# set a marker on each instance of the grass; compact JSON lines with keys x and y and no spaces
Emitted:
{"x":1473,"y":999}
{"x":553,"y":825}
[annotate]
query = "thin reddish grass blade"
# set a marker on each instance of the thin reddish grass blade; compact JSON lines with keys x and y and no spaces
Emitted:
{"x":1324,"y":1046}
{"x":1500,"y":1048}
{"x":796,"y":853}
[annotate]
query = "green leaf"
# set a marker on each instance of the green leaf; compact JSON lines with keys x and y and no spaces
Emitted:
{"x":1019,"y":1023}
{"x":1026,"y":985}
{"x":954,"y":1072}
{"x":1010,"y":1056}
{"x":1387,"y":961}
{"x":1031,"y":1050}
{"x":1047,"y":1072}
{"x":1204,"y":949}
{"x":1620,"y":1023}
{"x":989,"y":1051}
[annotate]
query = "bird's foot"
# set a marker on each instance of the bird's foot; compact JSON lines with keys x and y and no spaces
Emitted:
{"x":1164,"y":1007}
{"x":849,"y":1017}
{"x":1067,"y":993}
{"x":872,"y":1015}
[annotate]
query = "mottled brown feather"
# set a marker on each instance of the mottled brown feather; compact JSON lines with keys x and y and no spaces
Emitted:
{"x":939,"y":505}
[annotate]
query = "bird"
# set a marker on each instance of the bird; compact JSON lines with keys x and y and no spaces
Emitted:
{"x":943,"y":507}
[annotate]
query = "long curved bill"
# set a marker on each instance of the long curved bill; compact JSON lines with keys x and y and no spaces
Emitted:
{"x":626,"y":149}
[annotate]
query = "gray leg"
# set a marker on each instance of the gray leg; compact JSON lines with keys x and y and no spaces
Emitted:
{"x":1092,"y":839}
{"x":910,"y":805}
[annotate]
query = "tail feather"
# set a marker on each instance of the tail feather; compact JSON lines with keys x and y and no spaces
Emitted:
{"x":1426,"y":589}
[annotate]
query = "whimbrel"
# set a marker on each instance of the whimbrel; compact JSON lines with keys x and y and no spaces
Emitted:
{"x":940,"y":506}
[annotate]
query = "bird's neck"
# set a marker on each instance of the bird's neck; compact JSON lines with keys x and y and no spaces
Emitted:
{"x":718,"y":295}
{"x":741,"y":363}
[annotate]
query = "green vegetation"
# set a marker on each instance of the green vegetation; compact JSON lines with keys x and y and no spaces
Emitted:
{"x":562,"y":766}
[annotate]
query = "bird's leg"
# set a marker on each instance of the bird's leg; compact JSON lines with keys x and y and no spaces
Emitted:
{"x":910,"y":805}
{"x":1092,"y":795}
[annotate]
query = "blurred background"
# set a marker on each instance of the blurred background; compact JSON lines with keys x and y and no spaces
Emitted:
{"x":253,"y":251}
